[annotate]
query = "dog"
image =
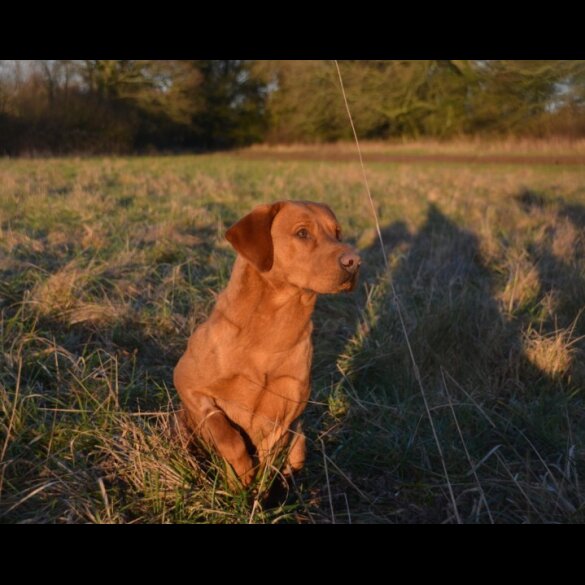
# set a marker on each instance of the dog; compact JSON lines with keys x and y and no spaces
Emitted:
{"x":244,"y":379}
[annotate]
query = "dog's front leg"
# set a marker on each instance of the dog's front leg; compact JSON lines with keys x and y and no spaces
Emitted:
{"x":296,"y":453}
{"x":211,"y":423}
{"x":271,"y":445}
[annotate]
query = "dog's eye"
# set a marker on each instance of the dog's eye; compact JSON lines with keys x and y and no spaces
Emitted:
{"x":303,"y":234}
{"x":338,"y":234}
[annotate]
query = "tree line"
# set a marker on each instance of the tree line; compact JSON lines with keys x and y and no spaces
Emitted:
{"x":122,"y":106}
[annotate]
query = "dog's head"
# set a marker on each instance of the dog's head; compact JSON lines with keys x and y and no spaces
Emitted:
{"x":298,"y":242}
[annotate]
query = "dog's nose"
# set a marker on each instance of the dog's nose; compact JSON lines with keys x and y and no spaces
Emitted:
{"x":350,"y":262}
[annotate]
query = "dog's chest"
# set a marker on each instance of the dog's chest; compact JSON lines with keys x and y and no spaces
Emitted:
{"x":274,"y":334}
{"x":269,"y":409}
{"x":272,"y":389}
{"x":283,"y":401}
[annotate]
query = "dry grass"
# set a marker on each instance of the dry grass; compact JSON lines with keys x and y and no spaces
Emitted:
{"x":464,"y":146}
{"x":106,"y":266}
{"x":552,"y":354}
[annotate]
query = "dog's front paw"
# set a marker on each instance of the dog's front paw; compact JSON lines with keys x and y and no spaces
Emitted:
{"x":245,"y":472}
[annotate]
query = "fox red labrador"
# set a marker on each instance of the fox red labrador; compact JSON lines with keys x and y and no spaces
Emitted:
{"x":244,"y":379}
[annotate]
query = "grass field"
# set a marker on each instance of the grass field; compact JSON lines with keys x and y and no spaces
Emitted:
{"x":479,"y":149}
{"x":107,"y":265}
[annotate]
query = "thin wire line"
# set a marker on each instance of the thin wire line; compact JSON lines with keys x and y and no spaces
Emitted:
{"x":397,"y":300}
{"x":357,"y":142}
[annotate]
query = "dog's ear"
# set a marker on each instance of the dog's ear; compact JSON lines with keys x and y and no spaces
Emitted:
{"x":251,"y":236}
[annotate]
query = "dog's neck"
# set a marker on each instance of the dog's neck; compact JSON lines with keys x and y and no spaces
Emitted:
{"x":265,"y":298}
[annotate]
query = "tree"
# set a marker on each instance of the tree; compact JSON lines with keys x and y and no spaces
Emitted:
{"x":231,"y":103}
{"x":134,"y":105}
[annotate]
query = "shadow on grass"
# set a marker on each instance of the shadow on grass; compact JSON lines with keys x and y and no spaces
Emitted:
{"x":557,"y":255}
{"x":469,"y":353}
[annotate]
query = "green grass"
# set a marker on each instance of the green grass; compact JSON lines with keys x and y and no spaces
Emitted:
{"x":107,"y":265}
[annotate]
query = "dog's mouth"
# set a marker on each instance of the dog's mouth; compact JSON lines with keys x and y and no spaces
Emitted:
{"x":349,"y":284}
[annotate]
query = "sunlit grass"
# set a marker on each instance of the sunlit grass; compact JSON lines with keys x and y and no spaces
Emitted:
{"x":107,"y":265}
